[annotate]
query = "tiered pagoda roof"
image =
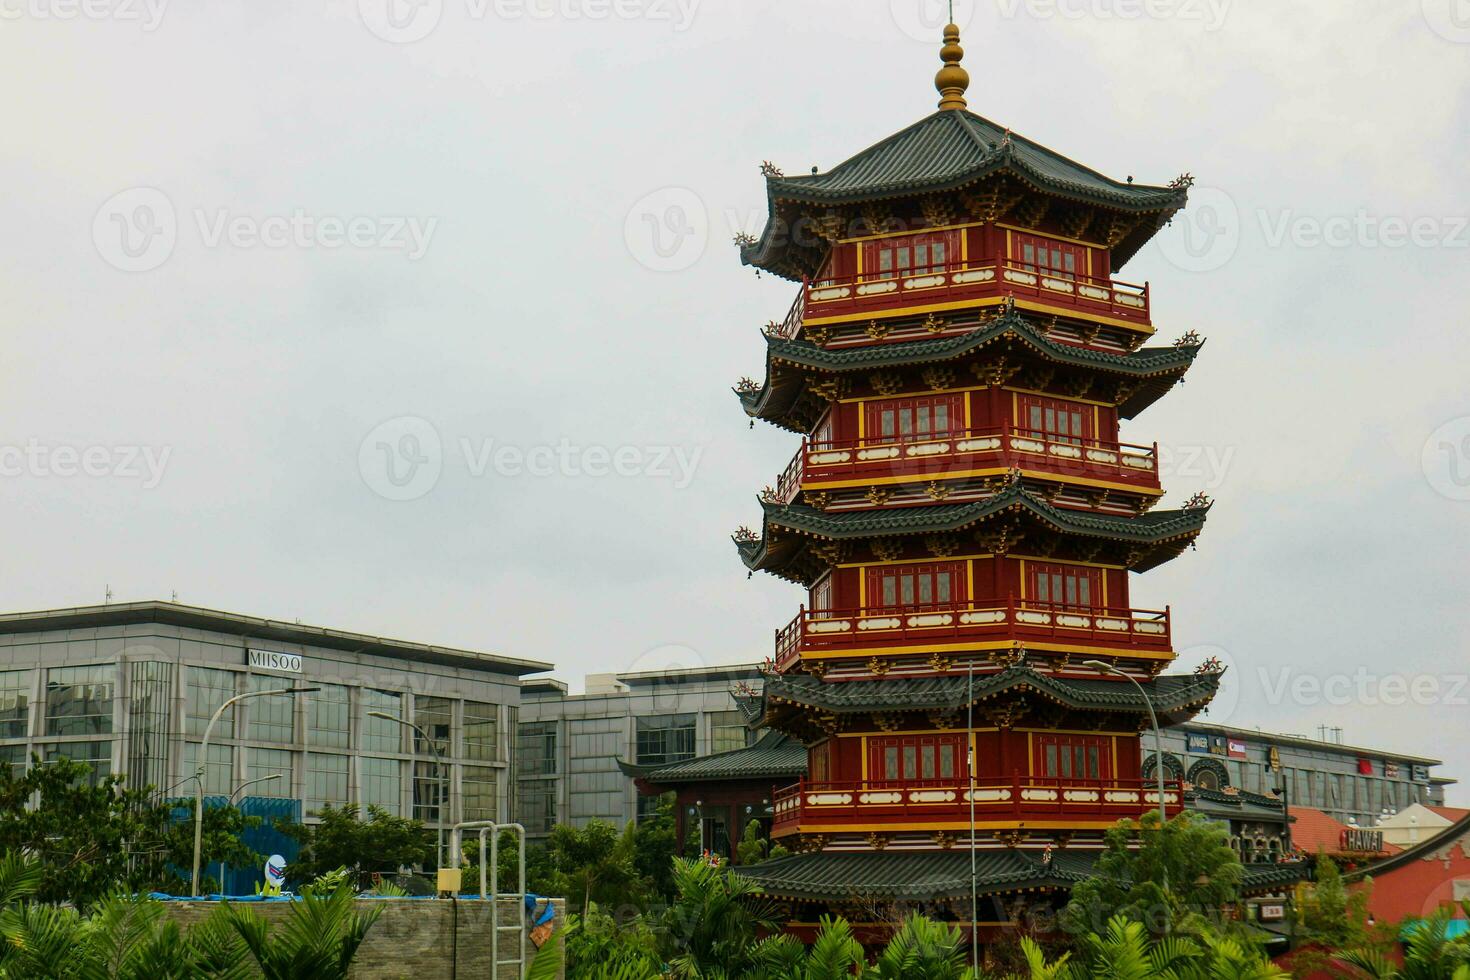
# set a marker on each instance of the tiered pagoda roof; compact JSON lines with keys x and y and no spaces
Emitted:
{"x":951,"y":151}
{"x":774,"y":755}
{"x":791,"y":364}
{"x":896,"y":875}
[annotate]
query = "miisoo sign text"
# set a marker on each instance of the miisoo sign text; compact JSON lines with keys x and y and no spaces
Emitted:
{"x":271,"y":660}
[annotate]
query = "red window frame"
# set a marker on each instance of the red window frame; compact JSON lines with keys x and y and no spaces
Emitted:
{"x":905,"y":419}
{"x":910,"y":255}
{"x":1082,"y":758}
{"x":908,"y":759}
{"x":1070,"y":586}
{"x":1050,"y":257}
{"x":821,"y":594}
{"x":912,"y":587}
{"x":1055,"y":419}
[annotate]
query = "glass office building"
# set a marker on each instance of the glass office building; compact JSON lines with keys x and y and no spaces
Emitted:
{"x":131,"y":688}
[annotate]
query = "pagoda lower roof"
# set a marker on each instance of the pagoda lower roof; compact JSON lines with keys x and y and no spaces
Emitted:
{"x":1159,"y":367}
{"x":1175,"y":697}
{"x":773,"y":755}
{"x":835,"y":876}
{"x":1163,"y":534}
{"x":950,"y":151}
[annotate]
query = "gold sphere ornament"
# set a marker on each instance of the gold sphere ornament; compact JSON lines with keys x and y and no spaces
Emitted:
{"x":952,"y":80}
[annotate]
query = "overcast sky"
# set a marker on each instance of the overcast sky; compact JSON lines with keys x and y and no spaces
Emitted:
{"x":422,"y":321}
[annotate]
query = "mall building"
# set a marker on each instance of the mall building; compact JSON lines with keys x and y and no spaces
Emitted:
{"x":129,"y":688}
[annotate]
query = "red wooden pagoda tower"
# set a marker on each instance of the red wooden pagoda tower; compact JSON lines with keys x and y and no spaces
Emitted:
{"x":964,"y":518}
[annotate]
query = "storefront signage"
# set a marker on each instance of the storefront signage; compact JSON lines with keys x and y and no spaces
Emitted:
{"x":1365,"y":767}
{"x":1199,"y":743}
{"x":1237,"y":748}
{"x":1218,"y":745}
{"x":1273,"y":913}
{"x":1359,"y":841}
{"x":1421,"y":774}
{"x":273,"y":660}
{"x":1391,"y":770}
{"x":1273,"y":759}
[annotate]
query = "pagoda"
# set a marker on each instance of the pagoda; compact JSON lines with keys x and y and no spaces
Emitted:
{"x":967,"y":672}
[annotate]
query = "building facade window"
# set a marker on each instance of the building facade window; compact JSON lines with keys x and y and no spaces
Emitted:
{"x":435,"y":717}
{"x":380,"y":734}
{"x":97,"y":756}
{"x":326,"y":781}
{"x":481,"y":731}
{"x":477,"y":790}
{"x":328,"y":713}
{"x":538,"y":805}
{"x":382,"y":785}
{"x":429,"y":791}
{"x":219,"y":769}
{"x":916,"y":586}
{"x":1066,"y":585}
{"x":271,"y":718}
{"x":664,"y":739}
{"x":16,"y":758}
{"x":79,"y":700}
{"x":207,"y":690}
{"x":536,"y":748}
{"x":1054,"y":420}
{"x":15,"y":703}
{"x":906,"y":419}
{"x":269,"y":762}
{"x":727,"y":731}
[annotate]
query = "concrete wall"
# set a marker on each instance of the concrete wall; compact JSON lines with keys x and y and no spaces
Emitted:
{"x":413,"y":939}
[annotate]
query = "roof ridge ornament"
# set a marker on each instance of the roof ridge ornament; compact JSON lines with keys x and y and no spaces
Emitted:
{"x":952,"y":80}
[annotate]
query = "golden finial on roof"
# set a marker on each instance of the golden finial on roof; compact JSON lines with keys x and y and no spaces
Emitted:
{"x":952,"y":79}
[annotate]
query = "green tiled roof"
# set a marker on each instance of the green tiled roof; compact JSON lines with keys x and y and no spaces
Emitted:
{"x":1169,"y":530}
{"x":949,"y":151}
{"x":917,"y":875}
{"x":1162,"y":365}
{"x":773,"y":755}
{"x":1176,"y":697}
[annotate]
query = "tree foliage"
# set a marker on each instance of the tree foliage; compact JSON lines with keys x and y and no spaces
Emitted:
{"x":1165,"y":877}
{"x":379,"y":844}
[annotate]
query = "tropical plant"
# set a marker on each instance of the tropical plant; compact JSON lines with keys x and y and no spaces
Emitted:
{"x":755,"y":847}
{"x":592,"y":864}
{"x":1429,"y":953}
{"x":597,"y":946}
{"x":319,"y":938}
{"x":1181,"y":870}
{"x":922,"y":949}
{"x":711,"y":928}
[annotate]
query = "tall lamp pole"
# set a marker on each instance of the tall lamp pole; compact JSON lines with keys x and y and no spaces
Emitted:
{"x":438,"y":763}
{"x":1098,"y":665}
{"x":203,"y":761}
{"x":224,"y":868}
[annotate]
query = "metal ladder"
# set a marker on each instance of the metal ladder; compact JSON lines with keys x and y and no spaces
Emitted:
{"x":490,"y":872}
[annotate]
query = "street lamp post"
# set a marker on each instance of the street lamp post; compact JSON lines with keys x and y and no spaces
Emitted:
{"x":438,"y":764}
{"x":1158,"y":740}
{"x":203,"y":760}
{"x":224,"y":867}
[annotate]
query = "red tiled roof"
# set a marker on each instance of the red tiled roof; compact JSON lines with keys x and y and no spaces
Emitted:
{"x":1313,"y":831}
{"x":1450,"y":813}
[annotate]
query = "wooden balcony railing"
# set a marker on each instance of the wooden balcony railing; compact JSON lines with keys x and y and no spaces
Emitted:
{"x":938,"y":457}
{"x":867,"y":294}
{"x":834,"y":804}
{"x":872,"y":629}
